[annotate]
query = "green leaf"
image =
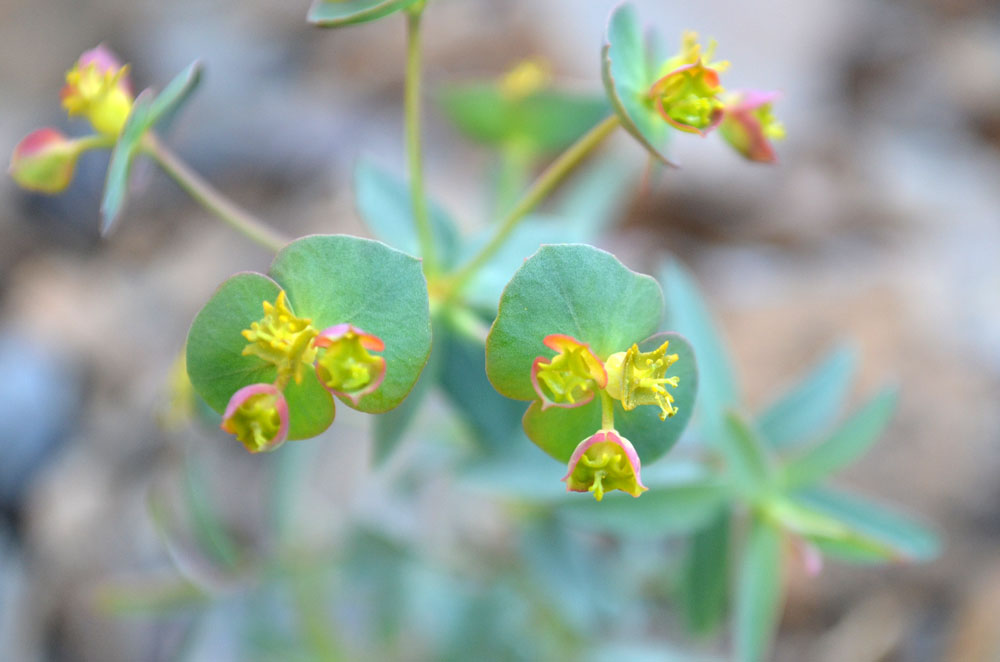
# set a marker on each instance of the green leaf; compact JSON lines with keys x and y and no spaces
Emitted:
{"x":493,"y":418}
{"x":146,"y":112}
{"x":218,"y":368}
{"x":662,"y":511}
{"x":336,"y":279}
{"x":207,"y":525}
{"x":705,"y":582}
{"x":174,"y":95}
{"x":848,"y":443}
{"x":558,"y":430}
{"x":390,"y":428}
{"x":570,"y":289}
{"x":628,"y":75}
{"x":384,"y":204}
{"x":746,"y":457}
{"x":687,"y":313}
{"x":911,"y":540}
{"x":826,"y":532}
{"x":543,"y":122}
{"x":811,"y":406}
{"x":758,"y":593}
{"x":120,"y":166}
{"x":338,"y":13}
{"x":487,"y":285}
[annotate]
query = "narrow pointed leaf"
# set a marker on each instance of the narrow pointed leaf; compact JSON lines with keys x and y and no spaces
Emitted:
{"x":687,"y":313}
{"x":493,"y":419}
{"x":758,"y":593}
{"x":338,"y":13}
{"x":911,"y":539}
{"x":810,"y":408}
{"x":385,"y":205}
{"x":120,"y":167}
{"x":746,"y":457}
{"x":662,"y":511}
{"x":705,"y":582}
{"x":848,"y":443}
{"x":174,"y":95}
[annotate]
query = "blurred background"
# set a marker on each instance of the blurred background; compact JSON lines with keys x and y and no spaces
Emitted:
{"x":879,"y":226}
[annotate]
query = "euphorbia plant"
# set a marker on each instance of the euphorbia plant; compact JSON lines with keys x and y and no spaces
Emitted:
{"x":523,"y":311}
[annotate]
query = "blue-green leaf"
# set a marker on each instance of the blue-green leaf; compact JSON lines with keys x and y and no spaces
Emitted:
{"x":120,"y":167}
{"x":174,"y":95}
{"x":338,"y":13}
{"x":688,"y":314}
{"x":747,"y":461}
{"x":809,"y":408}
{"x":758,"y":593}
{"x":385,"y":205}
{"x":911,"y":539}
{"x":662,"y":511}
{"x":849,"y":442}
{"x":705,"y":582}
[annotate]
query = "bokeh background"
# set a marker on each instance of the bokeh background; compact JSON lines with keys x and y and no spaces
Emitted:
{"x":880,"y":227}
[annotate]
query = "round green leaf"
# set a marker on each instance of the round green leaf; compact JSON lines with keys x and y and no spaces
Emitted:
{"x":218,"y":368}
{"x":628,"y":70}
{"x":571,"y":289}
{"x":558,"y":430}
{"x":338,"y":13}
{"x":337,"y":279}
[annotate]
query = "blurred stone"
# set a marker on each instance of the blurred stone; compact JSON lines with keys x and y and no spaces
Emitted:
{"x":39,"y":397}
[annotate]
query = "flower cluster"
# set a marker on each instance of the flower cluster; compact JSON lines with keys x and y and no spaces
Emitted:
{"x":340,"y":355}
{"x":572,"y":378}
{"x":98,"y":89}
{"x":688,"y":95}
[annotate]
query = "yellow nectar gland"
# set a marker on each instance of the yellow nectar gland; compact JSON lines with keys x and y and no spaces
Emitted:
{"x":99,"y":95}
{"x":283,"y":339}
{"x":571,"y":377}
{"x":636,"y":378}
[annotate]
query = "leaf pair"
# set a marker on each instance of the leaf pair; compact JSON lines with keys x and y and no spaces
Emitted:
{"x":331,"y":280}
{"x":585,"y":293}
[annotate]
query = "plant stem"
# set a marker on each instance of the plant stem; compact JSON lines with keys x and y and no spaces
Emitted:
{"x":542,"y":187}
{"x":413,"y":146}
{"x":211,"y":198}
{"x":607,"y":411}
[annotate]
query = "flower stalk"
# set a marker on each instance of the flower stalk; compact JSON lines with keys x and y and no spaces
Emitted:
{"x":211,"y":198}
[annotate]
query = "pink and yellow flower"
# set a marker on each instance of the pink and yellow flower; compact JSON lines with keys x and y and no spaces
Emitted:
{"x":258,"y":415}
{"x":346,"y":367}
{"x":749,"y":125}
{"x":571,"y":377}
{"x":604,"y":462}
{"x":98,"y":88}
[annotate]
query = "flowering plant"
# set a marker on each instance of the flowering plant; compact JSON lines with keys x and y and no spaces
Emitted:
{"x":618,"y":367}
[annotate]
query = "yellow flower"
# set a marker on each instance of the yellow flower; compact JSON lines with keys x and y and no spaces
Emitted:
{"x":97,"y":87}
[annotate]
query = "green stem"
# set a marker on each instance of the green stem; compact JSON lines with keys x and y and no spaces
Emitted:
{"x":211,"y":199}
{"x":542,"y":187}
{"x":413,"y":146}
{"x":607,"y":411}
